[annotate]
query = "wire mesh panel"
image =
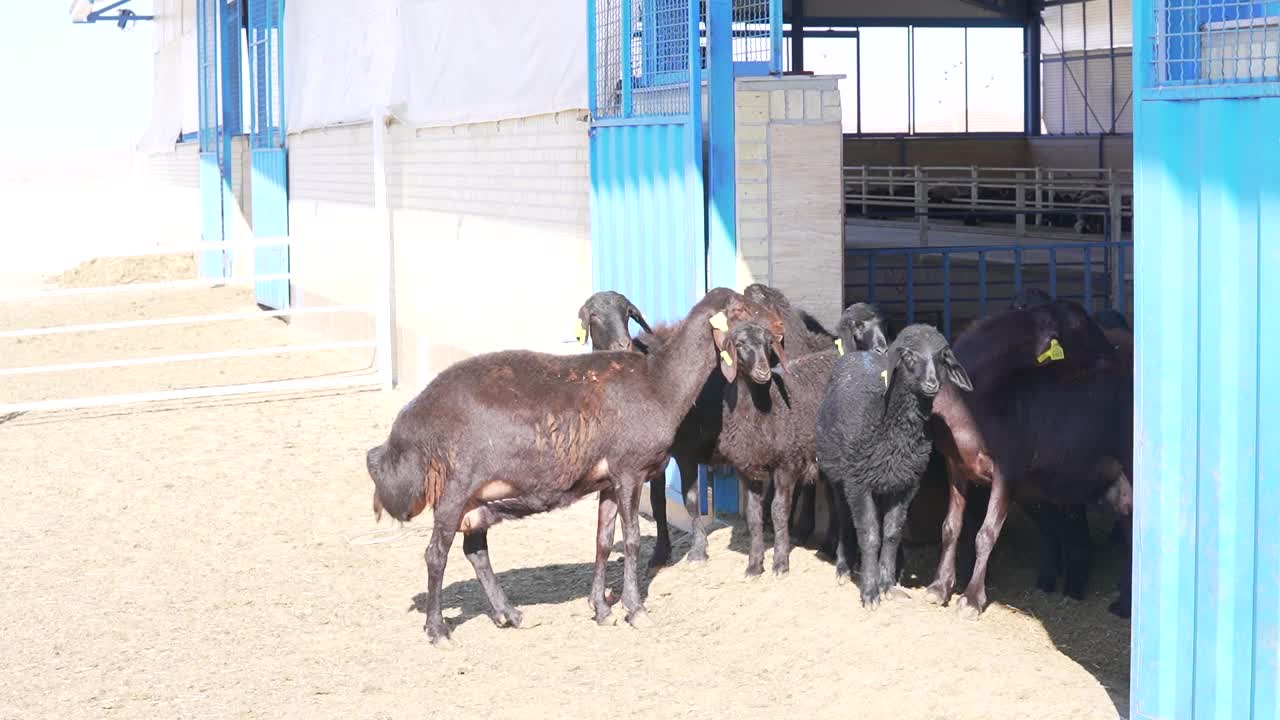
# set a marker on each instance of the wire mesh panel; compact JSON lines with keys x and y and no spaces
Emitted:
{"x":650,"y":39}
{"x":1216,"y":42}
{"x":751,"y":33}
{"x":265,"y":56}
{"x":207,"y":48}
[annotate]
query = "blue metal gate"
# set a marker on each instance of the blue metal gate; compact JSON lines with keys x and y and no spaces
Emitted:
{"x":1206,"y":606}
{"x":648,"y":216}
{"x":210,"y":262}
{"x":218,"y":64}
{"x":652,"y":236}
{"x":269,"y":176}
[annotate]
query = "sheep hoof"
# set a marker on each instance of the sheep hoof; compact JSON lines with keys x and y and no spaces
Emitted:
{"x":509,"y":618}
{"x":842,"y":578}
{"x":895,"y":592}
{"x":781,"y":569}
{"x":640,"y":620}
{"x":442,"y":642}
{"x":1120,"y":607}
{"x":755,"y":571}
{"x":606,"y":619}
{"x":934,"y":596}
{"x":968,"y":609}
{"x":697,"y":556}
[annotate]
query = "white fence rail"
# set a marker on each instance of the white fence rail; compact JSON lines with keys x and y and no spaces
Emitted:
{"x":1086,"y":200}
{"x":379,"y":373}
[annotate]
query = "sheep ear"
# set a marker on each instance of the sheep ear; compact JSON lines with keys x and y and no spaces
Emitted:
{"x":955,"y":371}
{"x":634,"y":313}
{"x":729,"y":364}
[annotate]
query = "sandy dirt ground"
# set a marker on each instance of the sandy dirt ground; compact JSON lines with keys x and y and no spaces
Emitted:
{"x":212,"y":558}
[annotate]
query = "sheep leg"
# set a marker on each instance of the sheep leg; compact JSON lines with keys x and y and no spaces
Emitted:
{"x":803,"y":519}
{"x":939,"y":592}
{"x":974,"y":600}
{"x":475,"y":545}
{"x":447,"y":517}
{"x":755,"y":523}
{"x":895,"y":522}
{"x":628,"y":493}
{"x":689,"y":487}
{"x":784,"y":489}
{"x":1121,"y":606}
{"x":658,"y":503}
{"x":606,"y":515}
{"x":1049,"y":521}
{"x":866,"y":521}
{"x":831,"y":547}
{"x":842,"y":524}
{"x":1077,"y":551}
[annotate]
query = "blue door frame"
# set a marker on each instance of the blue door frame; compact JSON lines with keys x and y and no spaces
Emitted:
{"x":269,"y":175}
{"x":1206,"y":603}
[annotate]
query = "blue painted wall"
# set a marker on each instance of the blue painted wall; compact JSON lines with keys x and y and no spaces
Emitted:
{"x":1206,"y":619}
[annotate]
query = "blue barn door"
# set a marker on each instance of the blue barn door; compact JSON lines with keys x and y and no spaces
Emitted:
{"x":210,"y":263}
{"x":1206,"y":606}
{"x":648,"y":208}
{"x":269,"y":175}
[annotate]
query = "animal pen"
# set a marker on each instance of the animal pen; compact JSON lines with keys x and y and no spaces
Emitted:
{"x":671,"y":146}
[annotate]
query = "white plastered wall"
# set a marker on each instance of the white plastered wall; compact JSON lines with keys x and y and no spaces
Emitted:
{"x":490,"y":229}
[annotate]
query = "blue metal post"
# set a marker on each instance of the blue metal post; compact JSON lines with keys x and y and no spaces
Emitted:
{"x":775,"y":37}
{"x":722,"y":245}
{"x":628,"y":25}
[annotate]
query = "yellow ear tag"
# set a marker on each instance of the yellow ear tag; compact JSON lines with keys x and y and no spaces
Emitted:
{"x":720,"y":322}
{"x":840,"y":345}
{"x":1054,"y":352}
{"x":581,"y":333}
{"x":724,"y":355}
{"x":884,"y":375}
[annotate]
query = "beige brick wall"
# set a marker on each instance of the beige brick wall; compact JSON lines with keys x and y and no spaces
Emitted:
{"x":789,"y":190}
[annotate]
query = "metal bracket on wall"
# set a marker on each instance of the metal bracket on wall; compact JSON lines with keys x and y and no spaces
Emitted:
{"x":83,"y":11}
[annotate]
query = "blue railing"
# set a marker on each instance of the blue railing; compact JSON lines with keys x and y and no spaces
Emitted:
{"x":950,"y":286}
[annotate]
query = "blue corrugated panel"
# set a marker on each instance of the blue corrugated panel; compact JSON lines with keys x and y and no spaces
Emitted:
{"x":1207,"y":475}
{"x":269,"y":189}
{"x":270,"y":221}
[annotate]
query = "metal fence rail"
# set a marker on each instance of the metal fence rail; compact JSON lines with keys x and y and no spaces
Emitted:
{"x":1052,"y":197}
{"x":951,"y":286}
{"x":379,"y":308}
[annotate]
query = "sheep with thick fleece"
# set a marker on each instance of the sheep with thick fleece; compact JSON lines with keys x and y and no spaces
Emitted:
{"x":874,"y":440}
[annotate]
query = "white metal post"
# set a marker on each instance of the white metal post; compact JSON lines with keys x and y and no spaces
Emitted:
{"x":384,"y":291}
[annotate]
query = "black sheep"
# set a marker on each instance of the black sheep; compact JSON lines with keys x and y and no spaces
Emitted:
{"x":1053,"y":402}
{"x":873,"y":443}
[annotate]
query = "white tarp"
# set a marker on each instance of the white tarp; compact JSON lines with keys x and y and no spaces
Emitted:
{"x":432,"y":62}
{"x":340,"y":60}
{"x":483,"y":60}
{"x":166,"y":101}
{"x":175,"y":105}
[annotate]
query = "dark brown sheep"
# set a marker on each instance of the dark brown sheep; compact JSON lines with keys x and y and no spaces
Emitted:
{"x":696,"y":437}
{"x":509,"y":434}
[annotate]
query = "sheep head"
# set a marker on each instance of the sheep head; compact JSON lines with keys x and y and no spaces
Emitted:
{"x":751,"y":347}
{"x":603,"y":319}
{"x":861,"y":327}
{"x":921,"y":359}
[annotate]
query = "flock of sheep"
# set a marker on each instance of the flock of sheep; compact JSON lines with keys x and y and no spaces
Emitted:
{"x":1033,"y":402}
